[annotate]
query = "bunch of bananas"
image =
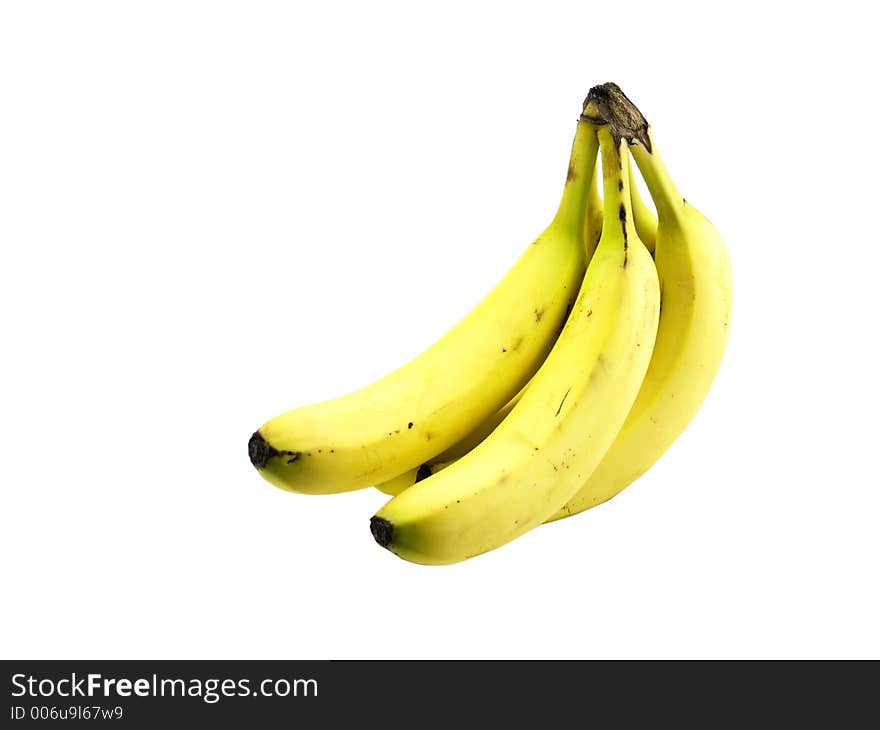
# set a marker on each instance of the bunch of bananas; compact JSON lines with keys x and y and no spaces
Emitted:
{"x":558,"y":390}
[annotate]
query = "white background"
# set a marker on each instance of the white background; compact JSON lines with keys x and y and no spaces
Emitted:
{"x":212,"y":212}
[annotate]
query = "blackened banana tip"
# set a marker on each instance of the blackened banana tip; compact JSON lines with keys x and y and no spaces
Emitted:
{"x":383,"y":531}
{"x":260,"y":451}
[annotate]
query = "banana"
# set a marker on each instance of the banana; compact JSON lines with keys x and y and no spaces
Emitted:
{"x":416,"y":412}
{"x":646,"y":229}
{"x":644,"y":217}
{"x":566,"y":419}
{"x":594,"y":216}
{"x":592,"y":232}
{"x":396,"y":485}
{"x":696,"y":285}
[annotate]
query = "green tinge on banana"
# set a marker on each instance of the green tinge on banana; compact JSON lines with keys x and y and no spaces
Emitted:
{"x":420,"y":410}
{"x":539,"y":456}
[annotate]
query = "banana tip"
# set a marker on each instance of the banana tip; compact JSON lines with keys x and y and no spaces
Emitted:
{"x":260,"y":451}
{"x":383,"y":530}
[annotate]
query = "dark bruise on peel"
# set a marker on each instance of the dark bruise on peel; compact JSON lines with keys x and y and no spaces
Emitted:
{"x":607,"y":104}
{"x":622,"y":216}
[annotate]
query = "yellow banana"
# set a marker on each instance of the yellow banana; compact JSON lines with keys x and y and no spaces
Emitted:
{"x":396,"y":485}
{"x":644,"y":217}
{"x":592,"y":232}
{"x":421,"y":409}
{"x":696,"y":286}
{"x":566,"y":419}
{"x":594,"y":216}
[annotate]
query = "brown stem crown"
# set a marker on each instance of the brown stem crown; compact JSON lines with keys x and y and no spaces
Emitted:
{"x":607,"y":104}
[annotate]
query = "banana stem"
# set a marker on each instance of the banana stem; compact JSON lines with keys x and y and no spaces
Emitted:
{"x":643,"y":217}
{"x":615,"y":175}
{"x":607,"y":105}
{"x":664,"y":193}
{"x":594,"y":199}
{"x":594,"y":214}
{"x":584,"y":149}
